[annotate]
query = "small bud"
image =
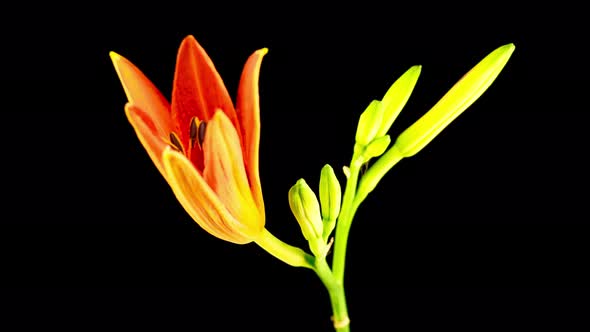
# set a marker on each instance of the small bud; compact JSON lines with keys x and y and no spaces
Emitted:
{"x":346,"y":171}
{"x":369,"y":123}
{"x":396,"y":97}
{"x":330,"y":199}
{"x":376,"y":148}
{"x":306,"y":209}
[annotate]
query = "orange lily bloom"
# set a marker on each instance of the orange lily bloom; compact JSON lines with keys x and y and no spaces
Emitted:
{"x":206,"y":149}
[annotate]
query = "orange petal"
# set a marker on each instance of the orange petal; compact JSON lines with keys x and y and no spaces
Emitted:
{"x":225,"y":173}
{"x":142,"y":93}
{"x":198,"y":90}
{"x":200,"y":201}
{"x":248,"y":110}
{"x":148,"y":135}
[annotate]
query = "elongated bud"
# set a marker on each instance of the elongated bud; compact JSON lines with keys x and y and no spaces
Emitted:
{"x":369,"y":123}
{"x":306,"y":209}
{"x":454,"y":102}
{"x":330,"y":199}
{"x":396,"y":98}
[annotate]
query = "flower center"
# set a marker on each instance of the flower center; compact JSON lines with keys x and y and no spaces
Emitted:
{"x":196,"y":135}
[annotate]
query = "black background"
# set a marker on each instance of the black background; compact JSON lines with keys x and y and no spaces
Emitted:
{"x":485,"y":229}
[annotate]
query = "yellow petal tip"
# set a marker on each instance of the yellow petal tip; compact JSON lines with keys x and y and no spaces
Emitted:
{"x":114,"y":56}
{"x":168,"y":153}
{"x":263,"y":51}
{"x":508,"y":48}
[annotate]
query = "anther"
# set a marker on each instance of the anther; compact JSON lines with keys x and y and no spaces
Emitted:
{"x":193,"y":130}
{"x":176,"y":142}
{"x":201,"y":134}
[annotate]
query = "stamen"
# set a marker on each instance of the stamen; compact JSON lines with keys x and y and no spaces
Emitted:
{"x":176,"y":142}
{"x":193,"y":131}
{"x":201,"y":136}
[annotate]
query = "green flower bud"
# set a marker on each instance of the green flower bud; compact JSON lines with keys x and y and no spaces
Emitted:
{"x":396,"y":97}
{"x":376,"y":148}
{"x":454,"y":102}
{"x":330,"y":199}
{"x":369,"y":123}
{"x":306,"y":209}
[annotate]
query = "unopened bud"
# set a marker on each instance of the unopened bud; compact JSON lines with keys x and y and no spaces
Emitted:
{"x":396,"y":97}
{"x":330,"y":199}
{"x":454,"y":102}
{"x":306,"y":209}
{"x":369,"y":123}
{"x":376,"y":148}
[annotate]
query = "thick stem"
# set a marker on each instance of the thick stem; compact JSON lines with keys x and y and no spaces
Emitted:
{"x":345,"y":220}
{"x":337,"y":296}
{"x":297,"y":257}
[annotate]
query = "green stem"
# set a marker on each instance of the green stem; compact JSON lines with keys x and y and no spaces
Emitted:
{"x":353,"y":197}
{"x":375,"y":173}
{"x":345,"y":220}
{"x":285,"y":252}
{"x":296,"y":257}
{"x":337,"y":297}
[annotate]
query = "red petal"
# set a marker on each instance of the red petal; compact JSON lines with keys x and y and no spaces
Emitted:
{"x":198,"y":89}
{"x":143,"y":94}
{"x":196,"y":157}
{"x":248,"y":110}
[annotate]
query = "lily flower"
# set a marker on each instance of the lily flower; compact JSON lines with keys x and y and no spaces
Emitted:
{"x":206,"y":149}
